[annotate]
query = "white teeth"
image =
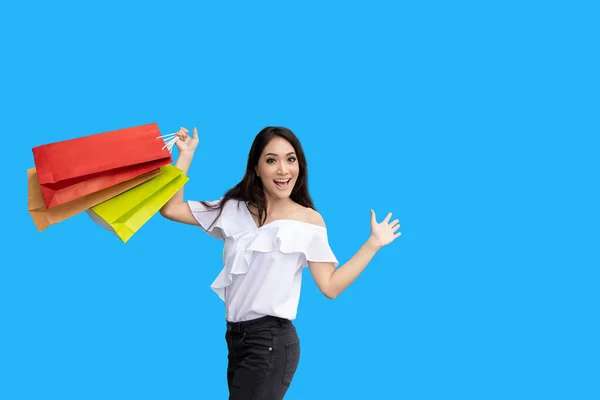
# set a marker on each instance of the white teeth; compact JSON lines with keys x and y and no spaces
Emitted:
{"x":282,"y":183}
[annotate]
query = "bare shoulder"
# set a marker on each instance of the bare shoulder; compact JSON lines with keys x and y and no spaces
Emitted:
{"x":313,"y":217}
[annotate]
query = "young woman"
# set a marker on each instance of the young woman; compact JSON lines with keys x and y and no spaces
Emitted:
{"x":270,"y":231}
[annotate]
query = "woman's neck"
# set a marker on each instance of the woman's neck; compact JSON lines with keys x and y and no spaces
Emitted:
{"x":274,"y":206}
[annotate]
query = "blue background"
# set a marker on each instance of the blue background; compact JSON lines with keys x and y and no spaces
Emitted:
{"x":475,"y":123}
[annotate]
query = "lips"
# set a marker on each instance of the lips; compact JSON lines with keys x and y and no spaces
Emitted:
{"x":282,"y":183}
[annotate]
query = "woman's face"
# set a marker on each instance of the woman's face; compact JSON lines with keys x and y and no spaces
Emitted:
{"x":278,"y":168}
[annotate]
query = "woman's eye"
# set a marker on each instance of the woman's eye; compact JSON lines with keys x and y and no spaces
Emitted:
{"x":269,"y":160}
{"x":292,"y":159}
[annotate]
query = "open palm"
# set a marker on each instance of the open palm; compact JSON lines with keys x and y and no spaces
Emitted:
{"x":384,"y":233}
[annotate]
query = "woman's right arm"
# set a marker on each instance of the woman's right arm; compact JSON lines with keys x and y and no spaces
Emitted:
{"x":176,"y":209}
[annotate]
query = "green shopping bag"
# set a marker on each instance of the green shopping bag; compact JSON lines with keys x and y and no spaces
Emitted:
{"x":126,"y":213}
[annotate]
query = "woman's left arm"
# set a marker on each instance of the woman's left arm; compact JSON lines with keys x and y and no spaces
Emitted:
{"x":330,"y":281}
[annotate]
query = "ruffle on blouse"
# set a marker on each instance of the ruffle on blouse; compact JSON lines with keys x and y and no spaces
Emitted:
{"x":284,"y":236}
{"x":294,"y":237}
{"x":206,"y":217}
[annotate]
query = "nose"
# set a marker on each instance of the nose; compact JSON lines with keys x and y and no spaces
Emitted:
{"x":282,"y":169}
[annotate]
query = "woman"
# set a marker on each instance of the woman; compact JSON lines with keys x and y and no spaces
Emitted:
{"x":270,"y":231}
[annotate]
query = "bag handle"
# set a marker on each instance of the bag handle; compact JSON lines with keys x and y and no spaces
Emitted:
{"x":170,"y":140}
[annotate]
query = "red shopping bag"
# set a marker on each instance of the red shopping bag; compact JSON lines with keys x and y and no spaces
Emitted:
{"x":74,"y":168}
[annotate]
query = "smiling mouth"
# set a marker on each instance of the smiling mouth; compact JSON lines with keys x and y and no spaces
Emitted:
{"x":282,"y":183}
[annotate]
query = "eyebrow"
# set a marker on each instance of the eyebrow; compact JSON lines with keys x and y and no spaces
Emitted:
{"x":273,"y":154}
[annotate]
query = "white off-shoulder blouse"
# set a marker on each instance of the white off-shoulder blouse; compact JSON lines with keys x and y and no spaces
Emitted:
{"x":262,"y":266}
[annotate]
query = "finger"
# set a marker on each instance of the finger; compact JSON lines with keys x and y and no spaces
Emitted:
{"x":373,"y":216}
{"x":196,"y":134}
{"x":397,"y":235}
{"x":387,"y":218}
{"x":395,"y":228}
{"x":184,"y":130}
{"x":396,"y":221}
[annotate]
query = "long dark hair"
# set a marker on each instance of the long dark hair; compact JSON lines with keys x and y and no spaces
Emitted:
{"x":250,"y":189}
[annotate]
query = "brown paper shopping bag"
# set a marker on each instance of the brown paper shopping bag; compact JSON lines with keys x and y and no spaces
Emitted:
{"x":43,"y":217}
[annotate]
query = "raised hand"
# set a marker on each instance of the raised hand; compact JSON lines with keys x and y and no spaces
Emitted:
{"x":186,"y":143}
{"x":384,"y":233}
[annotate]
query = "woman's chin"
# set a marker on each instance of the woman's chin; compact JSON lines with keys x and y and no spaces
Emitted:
{"x":279,"y":194}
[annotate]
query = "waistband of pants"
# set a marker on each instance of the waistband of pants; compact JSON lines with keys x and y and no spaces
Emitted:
{"x":258,"y":324}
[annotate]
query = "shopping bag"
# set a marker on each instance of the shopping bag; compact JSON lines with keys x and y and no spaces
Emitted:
{"x":126,"y":213}
{"x":77,"y":167}
{"x":43,"y":218}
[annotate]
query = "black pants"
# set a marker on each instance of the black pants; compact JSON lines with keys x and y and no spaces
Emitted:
{"x":263,"y":357}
